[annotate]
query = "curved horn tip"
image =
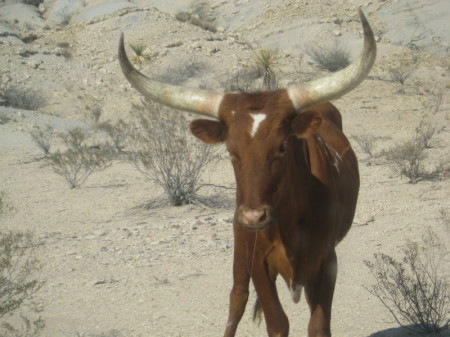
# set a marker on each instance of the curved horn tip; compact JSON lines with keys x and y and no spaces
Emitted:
{"x":125,"y":63}
{"x":366,"y":26}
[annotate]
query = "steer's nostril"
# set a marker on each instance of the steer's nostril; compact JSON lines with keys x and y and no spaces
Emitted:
{"x":263,"y":216}
{"x":254,"y":217}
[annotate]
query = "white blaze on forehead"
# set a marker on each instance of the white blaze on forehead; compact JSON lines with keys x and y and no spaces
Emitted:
{"x":257,"y":120}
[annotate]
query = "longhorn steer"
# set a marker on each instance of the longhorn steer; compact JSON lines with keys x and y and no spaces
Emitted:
{"x":297,"y":183}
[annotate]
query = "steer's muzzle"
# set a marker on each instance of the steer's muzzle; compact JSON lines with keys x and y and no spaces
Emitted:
{"x":256,"y":218}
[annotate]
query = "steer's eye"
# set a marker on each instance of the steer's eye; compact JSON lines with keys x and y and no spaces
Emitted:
{"x":283,"y":147}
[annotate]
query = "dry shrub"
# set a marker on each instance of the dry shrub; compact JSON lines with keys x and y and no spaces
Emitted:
{"x":400,"y":74}
{"x":242,"y":80}
{"x":77,"y":164}
{"x":332,"y":58}
{"x":43,"y":138}
{"x":183,"y":71}
{"x":23,"y":98}
{"x":18,"y":266}
{"x":415,"y":289}
{"x":408,"y":159}
{"x":74,"y":137}
{"x":425,"y":132}
{"x":200,"y":15}
{"x":118,"y":133}
{"x":93,"y":113}
{"x":4,"y":118}
{"x":366,"y":142}
{"x":79,"y":160}
{"x":162,"y":148}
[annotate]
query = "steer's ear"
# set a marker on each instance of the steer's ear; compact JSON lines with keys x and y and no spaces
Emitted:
{"x":306,"y":123}
{"x":209,"y":131}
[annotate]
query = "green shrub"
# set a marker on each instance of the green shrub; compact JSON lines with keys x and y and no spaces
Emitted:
{"x":266,"y":60}
{"x":138,"y":50}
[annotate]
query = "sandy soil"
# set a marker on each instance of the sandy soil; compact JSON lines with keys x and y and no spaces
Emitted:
{"x":113,"y":268}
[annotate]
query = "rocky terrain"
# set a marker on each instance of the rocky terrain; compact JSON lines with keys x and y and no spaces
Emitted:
{"x":114,"y":268}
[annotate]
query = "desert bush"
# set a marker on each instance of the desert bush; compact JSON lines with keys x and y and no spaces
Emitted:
{"x":64,"y":50}
{"x":332,"y":58}
{"x":434,"y":101}
{"x":183,"y":71}
{"x":444,"y":216}
{"x":23,"y":98}
{"x":204,"y":24}
{"x":27,"y":328}
{"x":366,"y":142}
{"x":74,"y":138}
{"x":80,"y":159}
{"x":4,"y":118}
{"x":200,"y":15}
{"x":64,"y":15}
{"x":266,"y":61}
{"x":43,"y":138}
{"x":17,"y":268}
{"x":118,"y":133}
{"x":162,"y":149}
{"x":425,"y":132}
{"x":76,"y":164}
{"x":92,"y":114}
{"x":408,"y":159}
{"x":400,"y":74}
{"x":242,"y":80}
{"x":414,"y":290}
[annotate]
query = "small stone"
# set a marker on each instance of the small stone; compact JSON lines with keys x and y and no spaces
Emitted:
{"x":369,"y":218}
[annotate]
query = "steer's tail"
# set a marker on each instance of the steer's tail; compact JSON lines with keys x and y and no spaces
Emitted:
{"x":257,"y":312}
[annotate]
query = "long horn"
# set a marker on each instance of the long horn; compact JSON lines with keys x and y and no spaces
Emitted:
{"x":198,"y":101}
{"x":334,"y":86}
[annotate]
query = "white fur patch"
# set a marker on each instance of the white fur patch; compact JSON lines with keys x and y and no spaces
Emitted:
{"x":296,"y":292}
{"x":337,"y":159}
{"x":257,"y":120}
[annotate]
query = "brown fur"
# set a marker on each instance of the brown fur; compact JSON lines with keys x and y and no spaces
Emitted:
{"x":297,"y":184}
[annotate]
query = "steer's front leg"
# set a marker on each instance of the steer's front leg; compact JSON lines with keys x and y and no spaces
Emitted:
{"x":276,"y":320}
{"x":319,"y":293}
{"x":241,"y":280}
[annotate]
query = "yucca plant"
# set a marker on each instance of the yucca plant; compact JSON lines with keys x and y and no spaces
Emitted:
{"x":266,"y":60}
{"x":138,"y":50}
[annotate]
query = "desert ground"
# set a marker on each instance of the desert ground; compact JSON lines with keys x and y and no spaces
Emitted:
{"x":113,"y":267}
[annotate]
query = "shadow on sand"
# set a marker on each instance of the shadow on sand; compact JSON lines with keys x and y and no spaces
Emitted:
{"x":407,"y":332}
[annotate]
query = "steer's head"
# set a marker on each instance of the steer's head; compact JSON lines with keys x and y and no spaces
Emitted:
{"x":256,"y":127}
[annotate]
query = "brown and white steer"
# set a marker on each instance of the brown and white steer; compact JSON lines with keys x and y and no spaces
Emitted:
{"x":297,"y":183}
